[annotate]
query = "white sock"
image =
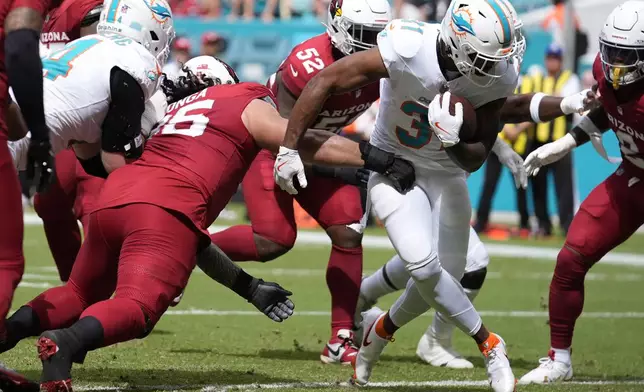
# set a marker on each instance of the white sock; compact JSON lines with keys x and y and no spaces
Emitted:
{"x":446,"y":295}
{"x":408,"y":306}
{"x":442,"y":328}
{"x":562,"y":355}
{"x":391,"y":277}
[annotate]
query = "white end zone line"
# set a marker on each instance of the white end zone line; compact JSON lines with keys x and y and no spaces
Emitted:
{"x":382,"y":242}
{"x":317,"y":385}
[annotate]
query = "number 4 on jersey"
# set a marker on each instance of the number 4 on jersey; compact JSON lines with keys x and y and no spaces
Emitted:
{"x":59,"y":63}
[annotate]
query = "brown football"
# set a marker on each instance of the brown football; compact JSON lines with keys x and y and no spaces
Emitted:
{"x":468,"y":129}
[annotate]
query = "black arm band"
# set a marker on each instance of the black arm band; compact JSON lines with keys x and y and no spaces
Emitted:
{"x":24,"y":69}
{"x":94,"y":166}
{"x":243,"y":285}
{"x":375,"y":159}
{"x":122,"y":124}
{"x":92,"y":16}
{"x":579,"y":135}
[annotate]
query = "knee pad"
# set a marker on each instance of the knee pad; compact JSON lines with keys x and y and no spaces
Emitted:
{"x":425,"y":269}
{"x":474,"y":280}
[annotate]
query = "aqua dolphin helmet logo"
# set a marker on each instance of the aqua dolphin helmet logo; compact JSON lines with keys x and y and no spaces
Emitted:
{"x":462,"y":22}
{"x":160,"y":12}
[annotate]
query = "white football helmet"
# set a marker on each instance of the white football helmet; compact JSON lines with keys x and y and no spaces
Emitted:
{"x":213,"y":68}
{"x":353,"y":25}
{"x":621,"y":44}
{"x":148,"y":22}
{"x":481,"y":37}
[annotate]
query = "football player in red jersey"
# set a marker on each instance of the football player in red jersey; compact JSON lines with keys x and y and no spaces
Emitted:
{"x":153,"y":214}
{"x":20,"y":66}
{"x":613,"y":211}
{"x":352,"y":25}
{"x":71,"y":194}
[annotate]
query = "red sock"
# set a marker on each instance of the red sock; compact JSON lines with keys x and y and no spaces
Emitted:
{"x":61,"y":229}
{"x":566,"y":297}
{"x":12,"y":262}
{"x":58,"y":307}
{"x":122,"y":319}
{"x":237,"y":242}
{"x":343,"y":276}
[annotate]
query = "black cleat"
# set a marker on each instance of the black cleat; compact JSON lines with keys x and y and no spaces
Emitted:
{"x":56,"y":362}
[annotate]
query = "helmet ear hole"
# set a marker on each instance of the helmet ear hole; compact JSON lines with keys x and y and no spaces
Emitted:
{"x":154,"y":36}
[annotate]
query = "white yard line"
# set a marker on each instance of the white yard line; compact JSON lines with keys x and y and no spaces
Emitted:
{"x":499,"y":250}
{"x":323,"y":313}
{"x":314,"y":385}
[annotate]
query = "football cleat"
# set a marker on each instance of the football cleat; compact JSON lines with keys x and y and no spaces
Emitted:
{"x":340,"y":349}
{"x":12,"y":381}
{"x":362,"y":306}
{"x":440,"y":353}
{"x":176,"y":300}
{"x":56,"y":362}
{"x":371,"y":347}
{"x":548,"y":371}
{"x":499,"y":372}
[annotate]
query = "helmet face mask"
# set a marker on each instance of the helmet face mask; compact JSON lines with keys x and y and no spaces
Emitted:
{"x":148,"y":22}
{"x":353,"y":25}
{"x":482,"y":38}
{"x":621,"y":44}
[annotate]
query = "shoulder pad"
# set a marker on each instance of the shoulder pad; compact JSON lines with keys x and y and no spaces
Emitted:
{"x":405,"y":37}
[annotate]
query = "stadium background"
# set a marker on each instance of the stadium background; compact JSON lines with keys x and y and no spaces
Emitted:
{"x":256,"y":48}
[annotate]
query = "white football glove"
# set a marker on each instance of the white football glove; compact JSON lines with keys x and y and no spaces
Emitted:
{"x":288,"y":165}
{"x":513,"y":161}
{"x":579,"y":102}
{"x":445,"y":126}
{"x":549,"y":153}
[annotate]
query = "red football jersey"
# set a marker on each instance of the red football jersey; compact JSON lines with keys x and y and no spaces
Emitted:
{"x":198,"y":159}
{"x":42,"y":6}
{"x":303,"y":63}
{"x":63,"y":24}
{"x":624,"y":108}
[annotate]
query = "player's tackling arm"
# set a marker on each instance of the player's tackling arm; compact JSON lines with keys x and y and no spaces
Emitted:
{"x":347,"y":74}
{"x":537,"y":107}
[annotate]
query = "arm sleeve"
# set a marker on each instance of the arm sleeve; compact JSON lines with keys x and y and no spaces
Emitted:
{"x":122,"y":124}
{"x":24,"y":69}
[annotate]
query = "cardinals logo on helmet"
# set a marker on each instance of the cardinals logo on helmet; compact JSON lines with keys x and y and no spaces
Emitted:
{"x":336,"y":8}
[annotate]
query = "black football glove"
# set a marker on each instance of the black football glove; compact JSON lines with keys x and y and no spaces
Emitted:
{"x":40,"y":164}
{"x":271,"y":299}
{"x":398,"y":170}
{"x":349,"y":175}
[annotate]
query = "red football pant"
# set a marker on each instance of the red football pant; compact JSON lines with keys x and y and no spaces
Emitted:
{"x":611,"y":213}
{"x":12,"y":262}
{"x":331,"y":203}
{"x":67,"y":200}
{"x":143,"y":252}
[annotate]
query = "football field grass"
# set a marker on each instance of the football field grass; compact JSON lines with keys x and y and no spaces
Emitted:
{"x":215,"y":341}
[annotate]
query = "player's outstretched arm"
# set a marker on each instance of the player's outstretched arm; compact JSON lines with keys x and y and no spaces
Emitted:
{"x":538,"y":107}
{"x":590,"y":128}
{"x":347,"y":74}
{"x":268,"y":297}
{"x":267,"y":128}
{"x":24,"y":69}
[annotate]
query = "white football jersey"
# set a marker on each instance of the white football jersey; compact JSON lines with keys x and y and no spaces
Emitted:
{"x":76,"y":89}
{"x":409,"y":52}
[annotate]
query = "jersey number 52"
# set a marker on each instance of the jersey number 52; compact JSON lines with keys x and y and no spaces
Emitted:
{"x":310,"y":60}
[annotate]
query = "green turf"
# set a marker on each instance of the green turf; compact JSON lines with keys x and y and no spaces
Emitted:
{"x":220,"y":350}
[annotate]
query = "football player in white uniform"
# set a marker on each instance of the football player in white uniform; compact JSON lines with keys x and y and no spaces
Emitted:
{"x":97,"y":88}
{"x":474,"y":47}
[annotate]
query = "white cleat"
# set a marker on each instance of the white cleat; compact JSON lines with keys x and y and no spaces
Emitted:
{"x":549,"y":371}
{"x":362,"y":306}
{"x":499,"y":372}
{"x":371,"y":348}
{"x":440,"y":354}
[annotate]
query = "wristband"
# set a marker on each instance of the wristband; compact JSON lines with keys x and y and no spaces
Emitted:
{"x":535,"y":102}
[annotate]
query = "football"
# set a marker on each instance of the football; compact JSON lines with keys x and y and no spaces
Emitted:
{"x":468,"y":129}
